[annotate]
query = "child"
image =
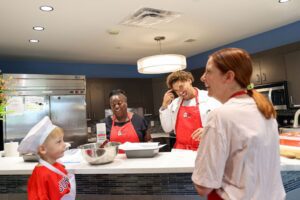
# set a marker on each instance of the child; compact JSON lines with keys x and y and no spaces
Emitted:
{"x":49,"y":179}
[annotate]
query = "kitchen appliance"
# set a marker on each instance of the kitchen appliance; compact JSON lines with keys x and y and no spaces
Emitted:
{"x":97,"y":153}
{"x":33,"y":96}
{"x":277,"y":93}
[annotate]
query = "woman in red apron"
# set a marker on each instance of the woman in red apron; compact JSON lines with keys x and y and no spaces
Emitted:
{"x":183,"y":114}
{"x":188,"y":120}
{"x":125,"y":126}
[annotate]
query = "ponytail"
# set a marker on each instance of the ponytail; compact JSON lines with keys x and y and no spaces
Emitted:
{"x":263,"y":104}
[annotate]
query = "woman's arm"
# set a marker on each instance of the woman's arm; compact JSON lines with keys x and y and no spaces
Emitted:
{"x":202,"y":191}
{"x":147,"y":137}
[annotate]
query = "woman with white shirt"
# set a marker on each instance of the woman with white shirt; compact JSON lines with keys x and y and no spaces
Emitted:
{"x":238,"y":158}
{"x":185,"y":114}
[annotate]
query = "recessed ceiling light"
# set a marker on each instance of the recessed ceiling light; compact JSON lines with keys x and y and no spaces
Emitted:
{"x":38,"y":28}
{"x":283,"y":1}
{"x":113,"y":32}
{"x":46,"y":8}
{"x":190,"y":40}
{"x":34,"y":41}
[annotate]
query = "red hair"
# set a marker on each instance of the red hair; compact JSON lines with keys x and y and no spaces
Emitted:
{"x":239,"y":61}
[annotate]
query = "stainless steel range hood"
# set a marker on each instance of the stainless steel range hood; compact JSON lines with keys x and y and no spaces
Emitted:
{"x":33,"y":96}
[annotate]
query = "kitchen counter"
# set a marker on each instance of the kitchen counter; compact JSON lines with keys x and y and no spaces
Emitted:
{"x":178,"y":161}
{"x":165,"y":176}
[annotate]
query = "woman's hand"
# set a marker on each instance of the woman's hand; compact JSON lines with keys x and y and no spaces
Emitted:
{"x":196,"y":135}
{"x":168,"y":98}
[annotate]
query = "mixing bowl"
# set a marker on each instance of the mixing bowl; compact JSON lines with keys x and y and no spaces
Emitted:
{"x":96,"y":155}
{"x":30,"y":157}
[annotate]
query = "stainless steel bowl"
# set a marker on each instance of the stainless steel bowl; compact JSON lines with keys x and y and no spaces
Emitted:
{"x":289,"y":129}
{"x":30,"y":157}
{"x":95,"y":155}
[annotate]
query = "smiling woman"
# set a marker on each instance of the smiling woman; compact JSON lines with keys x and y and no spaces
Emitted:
{"x":241,"y":136}
{"x":124,"y":126}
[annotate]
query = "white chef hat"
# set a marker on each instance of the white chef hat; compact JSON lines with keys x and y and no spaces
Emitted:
{"x":36,"y":136}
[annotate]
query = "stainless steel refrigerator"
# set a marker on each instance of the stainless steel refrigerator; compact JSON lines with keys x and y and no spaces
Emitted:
{"x":33,"y":96}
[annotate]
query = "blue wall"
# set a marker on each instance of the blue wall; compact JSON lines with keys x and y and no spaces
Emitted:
{"x":257,"y":43}
{"x":90,"y":70}
{"x":267,"y":40}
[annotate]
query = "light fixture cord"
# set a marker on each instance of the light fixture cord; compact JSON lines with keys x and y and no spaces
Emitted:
{"x":159,"y":42}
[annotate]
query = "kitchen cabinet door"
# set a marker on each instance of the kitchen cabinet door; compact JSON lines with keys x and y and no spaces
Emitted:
{"x":292,"y":62}
{"x":256,"y":75}
{"x":97,"y":100}
{"x":139,"y":94}
{"x":197,"y":73}
{"x":159,"y":88}
{"x":272,"y":68}
{"x":268,"y":67}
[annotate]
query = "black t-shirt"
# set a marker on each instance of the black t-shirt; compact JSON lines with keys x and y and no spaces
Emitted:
{"x":139,"y":123}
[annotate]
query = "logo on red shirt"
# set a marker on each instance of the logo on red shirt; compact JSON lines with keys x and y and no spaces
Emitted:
{"x":63,"y":184}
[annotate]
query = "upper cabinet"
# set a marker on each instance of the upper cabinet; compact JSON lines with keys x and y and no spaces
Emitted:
{"x":268,"y":67}
{"x":139,"y":94}
{"x":197,"y":73}
{"x":292,"y":61}
{"x":95,"y":99}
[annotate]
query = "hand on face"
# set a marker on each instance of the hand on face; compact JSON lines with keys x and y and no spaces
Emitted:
{"x":168,"y":98}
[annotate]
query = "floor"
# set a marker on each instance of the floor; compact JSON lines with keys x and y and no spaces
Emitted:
{"x":112,"y":197}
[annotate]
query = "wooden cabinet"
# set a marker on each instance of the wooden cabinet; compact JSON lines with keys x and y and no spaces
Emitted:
{"x":159,"y":88}
{"x":95,"y":100}
{"x":292,"y":61}
{"x":139,"y":94}
{"x":268,"y":67}
{"x":197,"y":73}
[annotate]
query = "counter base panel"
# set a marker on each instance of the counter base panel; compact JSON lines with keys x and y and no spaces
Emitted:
{"x":161,"y":186}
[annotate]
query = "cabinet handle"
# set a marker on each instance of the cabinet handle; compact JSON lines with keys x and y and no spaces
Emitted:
{"x":265,"y":77}
{"x":291,"y":101}
{"x":258,"y":78}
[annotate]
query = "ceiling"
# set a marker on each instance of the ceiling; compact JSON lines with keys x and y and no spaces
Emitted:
{"x":77,"y":30}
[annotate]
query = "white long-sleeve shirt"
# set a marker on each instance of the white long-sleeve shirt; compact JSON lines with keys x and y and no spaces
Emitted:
{"x":239,"y":153}
{"x":168,"y":116}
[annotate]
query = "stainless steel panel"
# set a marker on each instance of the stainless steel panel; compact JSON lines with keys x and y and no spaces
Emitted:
{"x":16,"y":126}
{"x":64,"y":104}
{"x":27,"y":82}
{"x":271,"y":88}
{"x":43,"y":76}
{"x":69,"y":112}
{"x":46,"y":92}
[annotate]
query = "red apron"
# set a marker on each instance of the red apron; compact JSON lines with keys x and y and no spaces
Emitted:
{"x":125,"y":133}
{"x":188,"y":120}
{"x":213,"y":195}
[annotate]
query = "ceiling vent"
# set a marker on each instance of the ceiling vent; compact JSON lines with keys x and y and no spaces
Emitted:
{"x":147,"y":17}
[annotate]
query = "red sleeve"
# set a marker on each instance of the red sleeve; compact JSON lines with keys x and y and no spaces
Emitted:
{"x":47,"y":185}
{"x":37,"y":186}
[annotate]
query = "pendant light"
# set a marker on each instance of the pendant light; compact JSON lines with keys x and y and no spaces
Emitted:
{"x":162,"y":63}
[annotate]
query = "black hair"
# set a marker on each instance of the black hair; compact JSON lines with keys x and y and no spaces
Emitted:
{"x":117,"y":92}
